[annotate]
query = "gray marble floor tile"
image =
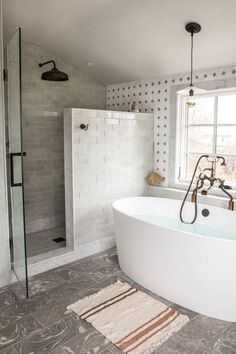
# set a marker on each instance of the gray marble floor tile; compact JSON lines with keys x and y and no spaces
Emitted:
{"x":226,"y":344}
{"x":23,"y":308}
{"x":112,"y":350}
{"x":72,"y":286}
{"x":197,"y":337}
{"x":83,"y":266}
{"x":7,"y":297}
{"x":107,"y":258}
{"x":49,"y":314}
{"x":17,"y":290}
{"x":10,"y":350}
{"x":172,"y":346}
{"x":44,"y":282}
{"x":57,"y":310}
{"x":51,"y":338}
{"x":107,"y":281}
{"x":72,"y":272}
{"x":104,"y":273}
{"x":17,"y":330}
{"x":90,"y":342}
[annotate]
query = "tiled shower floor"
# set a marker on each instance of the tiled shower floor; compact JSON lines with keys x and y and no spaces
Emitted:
{"x":43,"y":325}
{"x":42,"y":241}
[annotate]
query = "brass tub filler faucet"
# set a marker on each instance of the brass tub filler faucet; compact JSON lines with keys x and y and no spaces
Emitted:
{"x":206,"y":175}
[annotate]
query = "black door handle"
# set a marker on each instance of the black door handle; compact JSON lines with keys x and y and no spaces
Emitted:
{"x":12,"y":155}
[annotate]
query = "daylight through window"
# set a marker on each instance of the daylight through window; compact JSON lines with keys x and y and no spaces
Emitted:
{"x":209,"y":127}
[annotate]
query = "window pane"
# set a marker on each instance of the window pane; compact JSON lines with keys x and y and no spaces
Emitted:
{"x":228,"y":172}
{"x":191,"y":163}
{"x":226,"y":140}
{"x":202,"y":112}
{"x":227,"y":109}
{"x":200,"y":139}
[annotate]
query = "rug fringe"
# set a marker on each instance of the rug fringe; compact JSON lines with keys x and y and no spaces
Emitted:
{"x":95,"y":294}
{"x":163,"y":340}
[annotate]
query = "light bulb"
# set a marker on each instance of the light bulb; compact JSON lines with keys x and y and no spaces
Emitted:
{"x":190,"y":102}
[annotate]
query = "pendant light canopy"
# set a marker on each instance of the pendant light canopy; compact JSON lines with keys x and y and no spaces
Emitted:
{"x":191,"y":90}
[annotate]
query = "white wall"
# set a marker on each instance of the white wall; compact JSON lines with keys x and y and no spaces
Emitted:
{"x":105,"y":163}
{"x":4,"y":233}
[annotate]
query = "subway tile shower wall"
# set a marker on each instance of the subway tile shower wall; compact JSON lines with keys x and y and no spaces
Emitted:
{"x":43,"y":105}
{"x":154,"y":95}
{"x":107,"y":162}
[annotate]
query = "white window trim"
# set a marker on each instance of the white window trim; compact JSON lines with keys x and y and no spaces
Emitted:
{"x":181,"y":135}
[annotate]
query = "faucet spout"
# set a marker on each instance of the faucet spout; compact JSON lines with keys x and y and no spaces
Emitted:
{"x":231,"y":201}
{"x":207,"y":175}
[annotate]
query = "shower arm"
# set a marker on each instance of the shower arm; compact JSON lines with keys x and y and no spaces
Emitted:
{"x":47,"y":62}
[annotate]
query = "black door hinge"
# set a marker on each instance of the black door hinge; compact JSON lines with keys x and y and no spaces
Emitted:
{"x":5,"y":76}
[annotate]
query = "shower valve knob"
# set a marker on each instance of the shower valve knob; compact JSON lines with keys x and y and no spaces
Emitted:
{"x":84,"y":126}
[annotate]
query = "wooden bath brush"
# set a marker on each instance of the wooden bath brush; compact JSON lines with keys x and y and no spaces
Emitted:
{"x":154,"y":179}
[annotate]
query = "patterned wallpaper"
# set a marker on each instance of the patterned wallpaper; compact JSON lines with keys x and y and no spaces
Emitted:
{"x":153,"y":96}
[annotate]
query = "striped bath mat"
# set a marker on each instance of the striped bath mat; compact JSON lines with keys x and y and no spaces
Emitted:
{"x":132,"y":320}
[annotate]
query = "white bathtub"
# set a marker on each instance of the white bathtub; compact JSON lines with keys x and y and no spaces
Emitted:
{"x":177,"y":261}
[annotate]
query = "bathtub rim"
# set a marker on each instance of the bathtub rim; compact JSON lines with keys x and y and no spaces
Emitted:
{"x":166,"y":227}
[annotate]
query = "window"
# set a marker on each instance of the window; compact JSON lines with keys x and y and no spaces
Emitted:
{"x":209,"y":127}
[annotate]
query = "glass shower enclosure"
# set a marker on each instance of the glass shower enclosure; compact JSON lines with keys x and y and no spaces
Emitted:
{"x":16,"y":160}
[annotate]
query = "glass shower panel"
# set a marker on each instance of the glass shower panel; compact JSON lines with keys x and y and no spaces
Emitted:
{"x":16,"y":160}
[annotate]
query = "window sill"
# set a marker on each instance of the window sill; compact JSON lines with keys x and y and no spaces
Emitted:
{"x":178,"y":191}
{"x":214,"y":192}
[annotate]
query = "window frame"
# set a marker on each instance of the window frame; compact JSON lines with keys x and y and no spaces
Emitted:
{"x":182,"y":131}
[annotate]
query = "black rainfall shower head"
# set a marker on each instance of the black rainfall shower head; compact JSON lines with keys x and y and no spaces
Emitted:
{"x":54,"y":74}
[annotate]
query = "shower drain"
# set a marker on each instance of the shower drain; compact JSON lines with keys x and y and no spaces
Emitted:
{"x":59,"y":239}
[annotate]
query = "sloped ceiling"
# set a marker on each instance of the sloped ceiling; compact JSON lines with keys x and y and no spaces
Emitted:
{"x":128,"y":39}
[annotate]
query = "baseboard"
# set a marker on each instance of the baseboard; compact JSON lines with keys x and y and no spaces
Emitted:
{"x":96,"y":246}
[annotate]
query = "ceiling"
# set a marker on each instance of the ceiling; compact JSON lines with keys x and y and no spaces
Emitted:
{"x":127,"y":39}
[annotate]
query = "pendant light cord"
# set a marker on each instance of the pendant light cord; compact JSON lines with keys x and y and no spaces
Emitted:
{"x":191,"y":76}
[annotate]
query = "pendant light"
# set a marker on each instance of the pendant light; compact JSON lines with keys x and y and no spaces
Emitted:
{"x":191,"y":90}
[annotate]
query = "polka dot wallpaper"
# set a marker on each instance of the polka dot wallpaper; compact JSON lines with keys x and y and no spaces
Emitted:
{"x":153,"y":96}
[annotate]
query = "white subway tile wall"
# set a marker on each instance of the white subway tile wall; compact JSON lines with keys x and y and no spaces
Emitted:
{"x":107,"y":162}
{"x":43,"y":104}
{"x":153,"y":95}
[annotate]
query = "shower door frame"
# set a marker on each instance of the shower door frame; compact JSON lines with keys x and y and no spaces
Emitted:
{"x":16,"y":156}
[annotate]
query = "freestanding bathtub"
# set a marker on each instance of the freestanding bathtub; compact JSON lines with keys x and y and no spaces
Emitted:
{"x":190,"y":265}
